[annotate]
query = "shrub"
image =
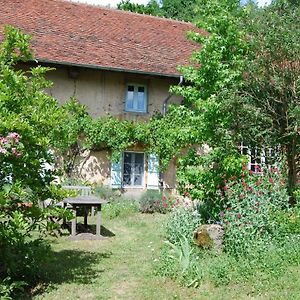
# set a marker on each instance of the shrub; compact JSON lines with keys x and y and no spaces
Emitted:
{"x":182,"y":222}
{"x":201,"y":177}
{"x":118,"y":206}
{"x":153,"y":201}
{"x":247,"y":217}
{"x":8,"y":287}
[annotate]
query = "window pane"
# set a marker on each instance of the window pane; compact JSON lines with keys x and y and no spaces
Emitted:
{"x":141,"y":99}
{"x":127,"y":179}
{"x":137,"y":180}
{"x":133,"y":170}
{"x":130,"y":97}
{"x":139,"y":158}
{"x":127,"y":168}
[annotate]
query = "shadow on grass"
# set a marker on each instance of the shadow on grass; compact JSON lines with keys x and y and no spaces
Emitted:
{"x":68,"y":266}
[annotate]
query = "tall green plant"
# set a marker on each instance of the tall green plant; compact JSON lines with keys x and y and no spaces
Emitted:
{"x":29,"y":127}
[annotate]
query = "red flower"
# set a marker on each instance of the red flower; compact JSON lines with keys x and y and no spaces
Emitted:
{"x":165,"y":204}
{"x":271,"y":180}
{"x":229,"y":208}
{"x":238,"y":216}
{"x":257,"y":168}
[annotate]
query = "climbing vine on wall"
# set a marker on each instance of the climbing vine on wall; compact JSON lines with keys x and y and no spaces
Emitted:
{"x":165,"y":135}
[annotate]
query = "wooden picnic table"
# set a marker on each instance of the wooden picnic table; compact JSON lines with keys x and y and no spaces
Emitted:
{"x":86,"y":202}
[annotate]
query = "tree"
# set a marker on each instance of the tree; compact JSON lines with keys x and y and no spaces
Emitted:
{"x":152,"y":8}
{"x":30,"y":122}
{"x":247,"y":85}
{"x":272,"y":85}
{"x":184,"y":10}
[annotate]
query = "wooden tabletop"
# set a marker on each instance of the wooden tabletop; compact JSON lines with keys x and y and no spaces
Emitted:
{"x":85,"y":200}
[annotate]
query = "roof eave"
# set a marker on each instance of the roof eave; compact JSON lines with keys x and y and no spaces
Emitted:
{"x":98,"y":67}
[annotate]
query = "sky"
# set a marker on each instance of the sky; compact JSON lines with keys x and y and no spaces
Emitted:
{"x":113,"y":3}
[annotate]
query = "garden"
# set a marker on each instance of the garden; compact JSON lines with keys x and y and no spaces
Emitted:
{"x":245,"y":92}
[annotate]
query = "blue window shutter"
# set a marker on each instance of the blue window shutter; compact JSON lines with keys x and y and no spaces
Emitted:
{"x":153,"y":172}
{"x":116,"y":174}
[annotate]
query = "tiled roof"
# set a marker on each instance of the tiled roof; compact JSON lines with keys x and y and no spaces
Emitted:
{"x":80,"y":34}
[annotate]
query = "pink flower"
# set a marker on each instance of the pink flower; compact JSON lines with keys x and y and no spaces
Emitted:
{"x":14,"y":136}
{"x":3,"y":150}
{"x":3,"y":140}
{"x":229,"y":208}
{"x":257,"y":168}
{"x":271,"y":180}
{"x":15,"y":152}
{"x":238,"y":216}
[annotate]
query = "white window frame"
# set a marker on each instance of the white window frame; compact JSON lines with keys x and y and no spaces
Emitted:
{"x":256,"y":158}
{"x":135,"y":109}
{"x":144,"y":171}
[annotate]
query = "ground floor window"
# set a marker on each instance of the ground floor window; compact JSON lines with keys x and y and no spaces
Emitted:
{"x":133,"y":169}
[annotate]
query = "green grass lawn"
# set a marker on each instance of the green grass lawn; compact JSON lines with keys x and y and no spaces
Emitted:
{"x":121,"y":267}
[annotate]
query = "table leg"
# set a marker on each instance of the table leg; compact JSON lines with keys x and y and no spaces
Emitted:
{"x":98,"y":222}
{"x":85,"y":217}
{"x":73,"y":229}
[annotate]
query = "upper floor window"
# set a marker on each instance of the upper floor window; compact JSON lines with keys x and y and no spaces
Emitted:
{"x":136,"y":98}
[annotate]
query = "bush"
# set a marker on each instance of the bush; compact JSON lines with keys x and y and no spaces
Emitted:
{"x":118,"y":206}
{"x":8,"y":288}
{"x":182,"y":222}
{"x":250,"y":203}
{"x":153,"y":201}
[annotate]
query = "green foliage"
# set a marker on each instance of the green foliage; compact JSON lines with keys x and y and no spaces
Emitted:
{"x":109,"y":132}
{"x":272,"y":83}
{"x":7,"y":288}
{"x":30,"y":123}
{"x":118,"y":206}
{"x":69,"y":143}
{"x":168,"y":135}
{"x":183,"y":10}
{"x":152,"y":201}
{"x":224,"y":269}
{"x":203,"y":177}
{"x":151,"y":8}
{"x":182,"y":222}
{"x":247,"y":217}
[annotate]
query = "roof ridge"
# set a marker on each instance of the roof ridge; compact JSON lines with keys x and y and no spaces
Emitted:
{"x":99,"y":6}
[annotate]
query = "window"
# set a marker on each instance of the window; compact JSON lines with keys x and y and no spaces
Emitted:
{"x":129,"y":171}
{"x":133,"y":170}
{"x":259,"y":158}
{"x":136,"y":98}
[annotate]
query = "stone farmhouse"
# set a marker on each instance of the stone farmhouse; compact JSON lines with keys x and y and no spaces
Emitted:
{"x":115,"y":62}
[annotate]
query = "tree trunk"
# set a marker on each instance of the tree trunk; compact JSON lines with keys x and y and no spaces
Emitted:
{"x":291,"y":155}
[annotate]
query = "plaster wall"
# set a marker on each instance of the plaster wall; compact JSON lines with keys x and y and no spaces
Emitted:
{"x":103,"y":92}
